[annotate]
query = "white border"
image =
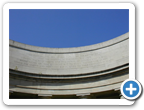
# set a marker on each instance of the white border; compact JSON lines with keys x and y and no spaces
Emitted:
{"x":8,"y":6}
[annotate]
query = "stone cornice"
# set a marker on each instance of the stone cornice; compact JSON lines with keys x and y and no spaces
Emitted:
{"x":69,"y":50}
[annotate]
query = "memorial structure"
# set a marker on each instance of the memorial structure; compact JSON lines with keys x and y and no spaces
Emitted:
{"x":88,"y":72}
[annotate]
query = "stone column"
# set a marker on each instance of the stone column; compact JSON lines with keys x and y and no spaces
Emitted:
{"x":83,"y":96}
{"x":120,"y":95}
{"x":45,"y":96}
{"x":10,"y":92}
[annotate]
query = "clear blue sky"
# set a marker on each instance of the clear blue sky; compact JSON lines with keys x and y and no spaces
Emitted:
{"x":62,"y":28}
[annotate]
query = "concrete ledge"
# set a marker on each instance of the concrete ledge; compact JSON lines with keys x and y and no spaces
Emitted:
{"x":67,"y":92}
{"x":41,"y":76}
{"x":69,"y":50}
{"x":94,"y":58}
{"x":67,"y":86}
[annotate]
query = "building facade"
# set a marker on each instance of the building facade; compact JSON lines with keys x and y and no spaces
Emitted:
{"x":88,"y":72}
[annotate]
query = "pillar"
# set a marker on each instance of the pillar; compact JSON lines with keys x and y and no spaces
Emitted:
{"x":10,"y":92}
{"x":120,"y":95}
{"x":45,"y":96}
{"x":83,"y":96}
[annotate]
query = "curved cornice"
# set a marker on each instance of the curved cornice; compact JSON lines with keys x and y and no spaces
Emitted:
{"x":69,"y":50}
{"x":70,"y":61}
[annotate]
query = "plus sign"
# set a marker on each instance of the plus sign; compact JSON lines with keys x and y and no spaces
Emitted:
{"x":131,"y":89}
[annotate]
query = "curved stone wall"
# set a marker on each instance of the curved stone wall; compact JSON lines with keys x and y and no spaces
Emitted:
{"x":65,"y":71}
{"x":69,"y":61}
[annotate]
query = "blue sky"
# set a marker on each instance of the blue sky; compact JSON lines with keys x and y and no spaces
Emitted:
{"x":63,"y":28}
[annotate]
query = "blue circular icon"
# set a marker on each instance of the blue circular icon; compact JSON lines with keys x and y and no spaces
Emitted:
{"x":131,"y":89}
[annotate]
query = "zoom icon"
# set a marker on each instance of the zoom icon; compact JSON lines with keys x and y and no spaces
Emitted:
{"x":131,"y":89}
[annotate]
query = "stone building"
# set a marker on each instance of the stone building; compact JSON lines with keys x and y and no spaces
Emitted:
{"x":89,"y":72}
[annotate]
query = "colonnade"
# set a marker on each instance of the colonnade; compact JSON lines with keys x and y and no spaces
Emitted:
{"x":13,"y":95}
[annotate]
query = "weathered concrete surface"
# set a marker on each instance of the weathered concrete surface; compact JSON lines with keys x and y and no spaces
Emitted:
{"x":70,"y":61}
{"x":69,"y":71}
{"x":67,"y":86}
